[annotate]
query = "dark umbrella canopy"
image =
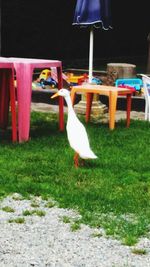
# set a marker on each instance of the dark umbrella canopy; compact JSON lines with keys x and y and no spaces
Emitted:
{"x":93,"y":13}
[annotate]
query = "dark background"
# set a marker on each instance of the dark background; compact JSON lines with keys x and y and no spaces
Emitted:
{"x":43,"y":29}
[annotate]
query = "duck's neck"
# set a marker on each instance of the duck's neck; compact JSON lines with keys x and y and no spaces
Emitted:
{"x":69,"y":104}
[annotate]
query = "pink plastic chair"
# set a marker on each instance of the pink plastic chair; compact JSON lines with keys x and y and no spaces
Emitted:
{"x":7,"y":97}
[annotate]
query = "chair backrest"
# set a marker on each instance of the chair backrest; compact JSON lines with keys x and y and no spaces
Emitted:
{"x":146,"y":85}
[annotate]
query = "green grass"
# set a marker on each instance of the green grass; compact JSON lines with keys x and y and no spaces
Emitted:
{"x":66,"y":219}
{"x":75,"y":226}
{"x":50,"y":204}
{"x":18,"y":220}
{"x":139,"y":251}
{"x":39,"y":213}
{"x":8,"y":209}
{"x":34,"y":204}
{"x":96,"y":234}
{"x":112,"y":191}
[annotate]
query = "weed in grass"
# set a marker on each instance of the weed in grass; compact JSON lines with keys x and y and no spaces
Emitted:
{"x":96,"y":234}
{"x":17,"y":220}
{"x":28,"y":212}
{"x":8,"y":209}
{"x":66,"y":219}
{"x":34,"y":212}
{"x":40,"y":213}
{"x":35,"y":204}
{"x":129,"y":240}
{"x":45,"y":197}
{"x":17,"y":197}
{"x":139,"y":251}
{"x":76,"y":225}
{"x":50,"y":204}
{"x":127,"y":228}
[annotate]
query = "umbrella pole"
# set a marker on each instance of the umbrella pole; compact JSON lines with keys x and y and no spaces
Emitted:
{"x":91,"y":54}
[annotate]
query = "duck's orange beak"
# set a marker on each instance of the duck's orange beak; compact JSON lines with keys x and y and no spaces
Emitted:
{"x":55,"y":95}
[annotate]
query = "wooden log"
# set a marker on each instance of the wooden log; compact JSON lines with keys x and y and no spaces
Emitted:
{"x":119,"y":71}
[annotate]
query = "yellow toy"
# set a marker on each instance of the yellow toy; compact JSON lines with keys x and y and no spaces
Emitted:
{"x":46,"y":79}
{"x":45,"y":74}
{"x":75,"y":79}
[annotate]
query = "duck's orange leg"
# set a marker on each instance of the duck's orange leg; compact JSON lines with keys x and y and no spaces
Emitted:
{"x":76,"y":160}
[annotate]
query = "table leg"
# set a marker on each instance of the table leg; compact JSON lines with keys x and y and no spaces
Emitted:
{"x":12,"y":104}
{"x":24,"y":89}
{"x":61,"y":100}
{"x":112,"y":108}
{"x":72,"y":95}
{"x":89,"y":98}
{"x":129,"y":99}
{"x":4,"y":98}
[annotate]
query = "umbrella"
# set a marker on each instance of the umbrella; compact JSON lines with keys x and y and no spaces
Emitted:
{"x":92,"y":13}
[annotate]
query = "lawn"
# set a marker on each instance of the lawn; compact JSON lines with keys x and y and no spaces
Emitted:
{"x":112,"y":191}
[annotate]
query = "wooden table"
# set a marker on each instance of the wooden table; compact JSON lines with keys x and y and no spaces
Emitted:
{"x":24,"y":70}
{"x":110,"y":91}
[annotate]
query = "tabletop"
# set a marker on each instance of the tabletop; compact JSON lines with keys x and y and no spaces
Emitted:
{"x":100,"y":88}
{"x":6,"y":65}
{"x":31,"y":61}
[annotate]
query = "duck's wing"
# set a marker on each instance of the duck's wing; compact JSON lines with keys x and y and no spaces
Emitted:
{"x":77,"y":135}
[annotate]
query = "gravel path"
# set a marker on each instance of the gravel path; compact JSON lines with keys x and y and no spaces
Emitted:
{"x":42,"y":107}
{"x":47,"y":241}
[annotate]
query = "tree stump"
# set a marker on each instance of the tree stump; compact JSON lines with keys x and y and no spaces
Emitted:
{"x":119,"y":71}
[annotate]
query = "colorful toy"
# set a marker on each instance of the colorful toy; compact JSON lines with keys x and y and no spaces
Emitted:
{"x":75,"y":79}
{"x":96,"y":80}
{"x":44,"y":75}
{"x":46,"y":79}
{"x":132,"y":82}
{"x":49,"y":77}
{"x":79,"y":79}
{"x":50,"y":81}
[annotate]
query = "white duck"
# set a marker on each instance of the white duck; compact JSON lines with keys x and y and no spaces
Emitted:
{"x":76,"y":132}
